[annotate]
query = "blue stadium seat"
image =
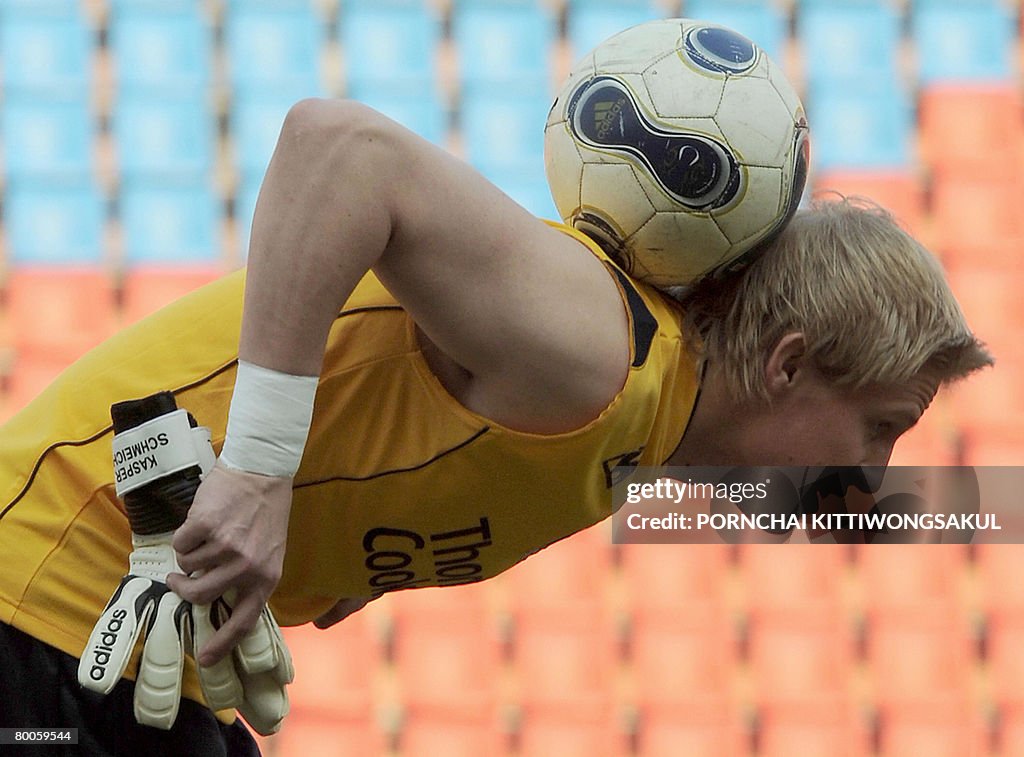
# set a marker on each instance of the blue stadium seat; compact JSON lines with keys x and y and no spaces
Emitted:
{"x":760,"y":20}
{"x":170,"y":223}
{"x":274,"y":45}
{"x":47,"y":137}
{"x":54,"y":223}
{"x":256,"y":121}
{"x":862,"y":127}
{"x":504,"y":129}
{"x":590,"y":22}
{"x":502,"y":42}
{"x":964,"y":40}
{"x":246,"y":192}
{"x":45,"y":46}
{"x":421,"y":111}
{"x":165,"y":46}
{"x":389,"y":42}
{"x":527,"y":187}
{"x":848,"y":40}
{"x":163,"y":137}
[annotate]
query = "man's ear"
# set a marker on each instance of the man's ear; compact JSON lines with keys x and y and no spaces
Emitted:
{"x":785,"y":362}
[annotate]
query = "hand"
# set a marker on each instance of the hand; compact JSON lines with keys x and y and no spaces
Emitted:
{"x":233,"y":538}
{"x":253,"y":678}
{"x":142,"y":606}
{"x":341,"y":610}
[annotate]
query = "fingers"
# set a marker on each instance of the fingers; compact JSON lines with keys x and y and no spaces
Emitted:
{"x":341,"y":610}
{"x":242,"y":620}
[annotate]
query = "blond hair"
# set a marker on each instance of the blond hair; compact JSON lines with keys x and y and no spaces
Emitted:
{"x":873,"y":304}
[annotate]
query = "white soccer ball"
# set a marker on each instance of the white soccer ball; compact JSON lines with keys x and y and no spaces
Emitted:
{"x":679,"y":147}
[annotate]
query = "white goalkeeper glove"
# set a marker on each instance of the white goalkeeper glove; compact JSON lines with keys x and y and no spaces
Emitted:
{"x":158,"y":459}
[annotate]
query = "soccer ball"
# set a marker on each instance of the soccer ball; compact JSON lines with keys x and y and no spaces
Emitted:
{"x":679,"y":147}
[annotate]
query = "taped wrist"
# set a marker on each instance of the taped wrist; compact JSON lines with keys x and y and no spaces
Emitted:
{"x":268,"y":421}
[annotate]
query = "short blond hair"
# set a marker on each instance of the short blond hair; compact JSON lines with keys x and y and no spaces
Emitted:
{"x":873,"y":304}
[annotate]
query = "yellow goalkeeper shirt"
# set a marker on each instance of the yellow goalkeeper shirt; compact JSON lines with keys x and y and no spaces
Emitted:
{"x":400,"y":486}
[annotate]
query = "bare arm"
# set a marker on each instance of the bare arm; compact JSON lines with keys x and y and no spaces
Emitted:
{"x":533,"y":318}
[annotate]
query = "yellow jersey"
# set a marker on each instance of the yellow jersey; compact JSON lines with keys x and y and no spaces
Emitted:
{"x":400,"y":486}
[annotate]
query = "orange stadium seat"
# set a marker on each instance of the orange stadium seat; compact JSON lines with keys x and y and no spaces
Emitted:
{"x":564,"y":655}
{"x":59,"y":312}
{"x":901,"y":575}
{"x":970,"y":129}
{"x":470,"y":604}
{"x":919,"y":652}
{"x":453,"y":734}
{"x":318,"y":735}
{"x":792,"y":575}
{"x":1005,"y":662}
{"x":704,"y":727}
{"x":575,"y":570}
{"x":814,"y":727}
{"x":673,"y":575}
{"x":147,"y":289}
{"x":946,"y":727}
{"x":999,"y":568}
{"x":571,"y":732}
{"x":897,"y":190}
{"x":683,"y":655}
{"x":974,"y":211}
{"x":31,"y":374}
{"x":335,"y":669}
{"x":1009,"y":731}
{"x":797,"y":654}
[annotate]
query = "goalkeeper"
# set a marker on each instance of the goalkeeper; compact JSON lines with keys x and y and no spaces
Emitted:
{"x":423,"y":385}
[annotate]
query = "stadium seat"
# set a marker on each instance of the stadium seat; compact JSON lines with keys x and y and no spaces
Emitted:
{"x":502,"y":43}
{"x":45,"y":47}
{"x":792,"y":576}
{"x":453,"y":734}
{"x":389,"y":43}
{"x":311,"y":735}
{"x":564,"y":656}
{"x":672,"y":575}
{"x":171,"y":223}
{"x":919,"y":652}
{"x":47,"y":137}
{"x":1005,"y":664}
{"x":256,"y":121}
{"x":800,"y":654}
{"x":527,"y":186}
{"x":274,"y":46}
{"x":972,"y":211}
{"x":574,"y":571}
{"x":972,"y":129}
{"x":682,"y":655}
{"x":442,"y":665}
{"x":421,"y":110}
{"x":898,"y":190}
{"x":590,"y":22}
{"x":1009,"y":735}
{"x":963,"y":41}
{"x":761,"y":21}
{"x":898,"y":575}
{"x":571,"y":732}
{"x":865,"y":127}
{"x":30,"y":375}
{"x":815,"y":726}
{"x":57,"y":313}
{"x":148,"y":288}
{"x":336,"y":669}
{"x":704,"y":727}
{"x":502,"y":129}
{"x":998,"y":567}
{"x":160,"y":137}
{"x":54,"y":223}
{"x":846,"y":42}
{"x":946,"y":727}
{"x":161,"y":47}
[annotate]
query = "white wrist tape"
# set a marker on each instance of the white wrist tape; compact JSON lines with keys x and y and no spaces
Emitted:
{"x":268,"y":421}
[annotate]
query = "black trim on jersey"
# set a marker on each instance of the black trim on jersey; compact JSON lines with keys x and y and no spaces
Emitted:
{"x":645,"y":325}
{"x":418,"y":466}
{"x":198,"y":382}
